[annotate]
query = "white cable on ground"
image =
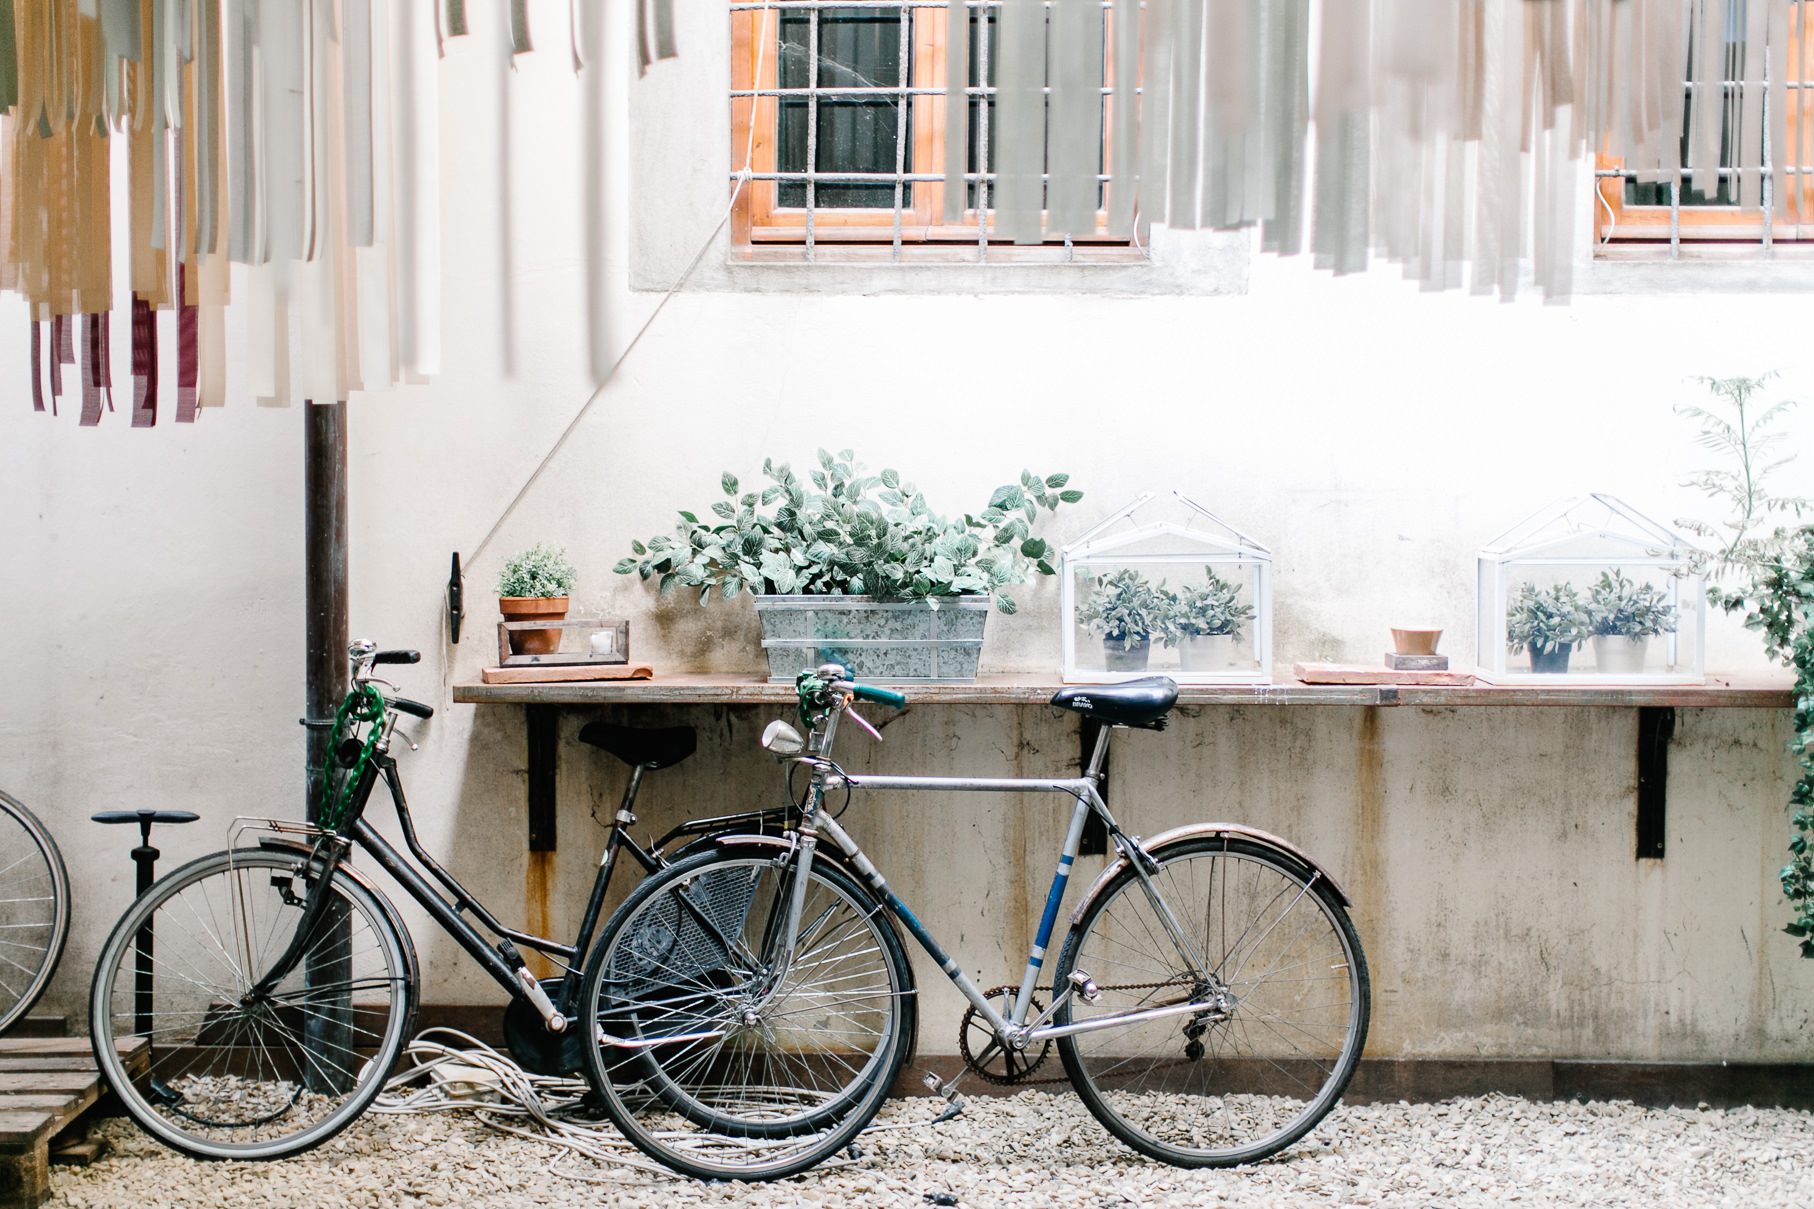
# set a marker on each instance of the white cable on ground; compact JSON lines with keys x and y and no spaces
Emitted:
{"x":451,"y":1071}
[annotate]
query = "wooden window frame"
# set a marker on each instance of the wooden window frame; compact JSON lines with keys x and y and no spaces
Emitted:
{"x":1733,"y":231}
{"x":758,"y":218}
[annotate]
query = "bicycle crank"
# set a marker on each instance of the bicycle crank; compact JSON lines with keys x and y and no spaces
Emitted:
{"x":984,"y":1052}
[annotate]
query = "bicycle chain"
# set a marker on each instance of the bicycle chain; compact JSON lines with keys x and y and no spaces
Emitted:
{"x":989,"y":1076}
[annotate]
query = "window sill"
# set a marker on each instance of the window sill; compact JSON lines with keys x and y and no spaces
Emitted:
{"x":1708,"y":268}
{"x":1180,"y":263}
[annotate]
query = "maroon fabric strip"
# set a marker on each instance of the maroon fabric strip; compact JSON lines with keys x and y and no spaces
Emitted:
{"x":144,"y":363}
{"x":37,"y":366}
{"x":91,"y":372}
{"x":187,"y":359}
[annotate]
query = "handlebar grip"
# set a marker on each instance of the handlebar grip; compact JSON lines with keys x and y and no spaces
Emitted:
{"x":881,"y":696}
{"x":413,"y":707}
{"x":397,"y":657}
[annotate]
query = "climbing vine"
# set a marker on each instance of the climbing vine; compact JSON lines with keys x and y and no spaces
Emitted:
{"x":1780,"y":604}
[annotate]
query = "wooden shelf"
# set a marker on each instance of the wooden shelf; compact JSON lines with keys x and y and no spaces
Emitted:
{"x":695,"y":688}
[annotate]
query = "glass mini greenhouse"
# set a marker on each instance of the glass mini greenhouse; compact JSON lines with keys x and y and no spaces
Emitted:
{"x":1590,"y":591}
{"x":1188,"y":597}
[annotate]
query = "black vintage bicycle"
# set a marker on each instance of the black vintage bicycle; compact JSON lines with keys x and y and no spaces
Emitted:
{"x":277,"y":984}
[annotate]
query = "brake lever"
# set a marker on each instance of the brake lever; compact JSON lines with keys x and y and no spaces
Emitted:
{"x":863,"y":722}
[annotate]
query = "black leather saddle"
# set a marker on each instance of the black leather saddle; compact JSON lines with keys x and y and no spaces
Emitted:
{"x":1142,"y":703}
{"x":650,"y":746}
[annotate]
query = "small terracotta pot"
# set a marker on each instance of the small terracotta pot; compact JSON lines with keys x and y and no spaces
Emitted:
{"x":534,"y":608}
{"x":1415,"y":642}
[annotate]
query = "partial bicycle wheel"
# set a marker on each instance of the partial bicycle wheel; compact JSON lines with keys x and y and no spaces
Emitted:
{"x":234,"y":1073}
{"x":1285,"y":1004}
{"x":34,"y":910}
{"x":734,"y":1072}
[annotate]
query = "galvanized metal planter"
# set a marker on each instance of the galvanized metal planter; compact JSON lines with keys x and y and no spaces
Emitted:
{"x":916,"y":641}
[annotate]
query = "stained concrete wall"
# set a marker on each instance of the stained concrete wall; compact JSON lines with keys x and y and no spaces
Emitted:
{"x":1372,"y":434}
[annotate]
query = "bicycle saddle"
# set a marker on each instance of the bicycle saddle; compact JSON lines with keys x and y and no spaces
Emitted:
{"x":145,"y":816}
{"x":1142,"y":703}
{"x":651,"y":746}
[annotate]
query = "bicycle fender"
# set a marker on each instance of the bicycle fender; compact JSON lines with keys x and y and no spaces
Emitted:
{"x":1191,"y":831}
{"x":273,"y":843}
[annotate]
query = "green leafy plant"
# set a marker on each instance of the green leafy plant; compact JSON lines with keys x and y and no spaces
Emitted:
{"x":1618,"y":607}
{"x":1546,"y":620}
{"x":842,"y":531}
{"x":1774,"y":564}
{"x":1746,"y":438}
{"x":1124,"y":608}
{"x":537,"y":571}
{"x":1206,"y":610}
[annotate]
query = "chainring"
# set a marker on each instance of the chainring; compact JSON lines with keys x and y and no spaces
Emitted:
{"x":1002,"y":1065}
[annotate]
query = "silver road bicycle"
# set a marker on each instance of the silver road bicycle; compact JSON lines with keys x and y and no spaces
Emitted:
{"x":1209,"y":1001}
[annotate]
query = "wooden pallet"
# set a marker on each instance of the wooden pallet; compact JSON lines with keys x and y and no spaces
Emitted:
{"x":46,"y":1084}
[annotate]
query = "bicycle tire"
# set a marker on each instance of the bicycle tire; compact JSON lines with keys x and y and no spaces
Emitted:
{"x":34,"y":910}
{"x":1241,"y":1082}
{"x":233,"y":1079}
{"x":785,"y":1080}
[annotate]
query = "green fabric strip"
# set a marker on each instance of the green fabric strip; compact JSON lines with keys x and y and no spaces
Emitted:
{"x":519,"y":27}
{"x":9,"y":57}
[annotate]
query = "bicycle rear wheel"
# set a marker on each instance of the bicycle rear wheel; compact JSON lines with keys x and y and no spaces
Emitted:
{"x":34,"y":910}
{"x":733,"y":1075}
{"x":240,"y":1076}
{"x":1286,"y":1004}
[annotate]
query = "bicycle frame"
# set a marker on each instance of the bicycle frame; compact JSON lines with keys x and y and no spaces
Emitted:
{"x":1013,"y":1028}
{"x":360,"y":833}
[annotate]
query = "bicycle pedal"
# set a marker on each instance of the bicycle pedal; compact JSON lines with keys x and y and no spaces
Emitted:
{"x":1085,"y":986}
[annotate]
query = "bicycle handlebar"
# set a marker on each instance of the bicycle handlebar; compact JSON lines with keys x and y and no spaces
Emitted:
{"x":881,"y":696}
{"x":412,"y":707}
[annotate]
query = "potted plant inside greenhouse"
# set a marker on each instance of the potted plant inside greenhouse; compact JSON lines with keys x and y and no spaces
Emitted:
{"x":1623,"y":617}
{"x":534,"y":586}
{"x":856,"y":568}
{"x":1549,"y":623}
{"x":1167,"y":569}
{"x":1590,"y":570}
{"x":1205,"y":621}
{"x":1128,"y":612}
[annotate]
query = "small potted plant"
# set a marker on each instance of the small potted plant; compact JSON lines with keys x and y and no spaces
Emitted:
{"x":533,"y":587}
{"x":1552,"y":622}
{"x":1204,"y":622}
{"x":1623,"y":617}
{"x":1127,"y":611}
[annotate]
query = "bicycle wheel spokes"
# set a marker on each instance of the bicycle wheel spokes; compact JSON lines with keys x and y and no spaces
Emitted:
{"x":743,"y":1071}
{"x":240,"y":1074}
{"x":1283,"y":998}
{"x":34,"y":910}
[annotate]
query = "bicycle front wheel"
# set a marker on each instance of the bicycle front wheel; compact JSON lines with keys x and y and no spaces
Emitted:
{"x":734,"y":1068}
{"x":34,"y":910}
{"x":1282,"y":986}
{"x":234,"y":1073}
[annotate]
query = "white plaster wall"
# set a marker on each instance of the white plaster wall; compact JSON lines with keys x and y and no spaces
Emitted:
{"x":1374,"y":435}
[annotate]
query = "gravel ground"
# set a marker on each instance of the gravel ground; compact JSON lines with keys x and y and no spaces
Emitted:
{"x":1039,"y":1149}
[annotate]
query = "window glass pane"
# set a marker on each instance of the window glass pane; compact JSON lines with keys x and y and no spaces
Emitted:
{"x":858,"y":48}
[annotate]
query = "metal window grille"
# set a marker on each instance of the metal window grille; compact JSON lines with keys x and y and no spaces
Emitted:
{"x":1642,"y":217}
{"x":808,"y":184}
